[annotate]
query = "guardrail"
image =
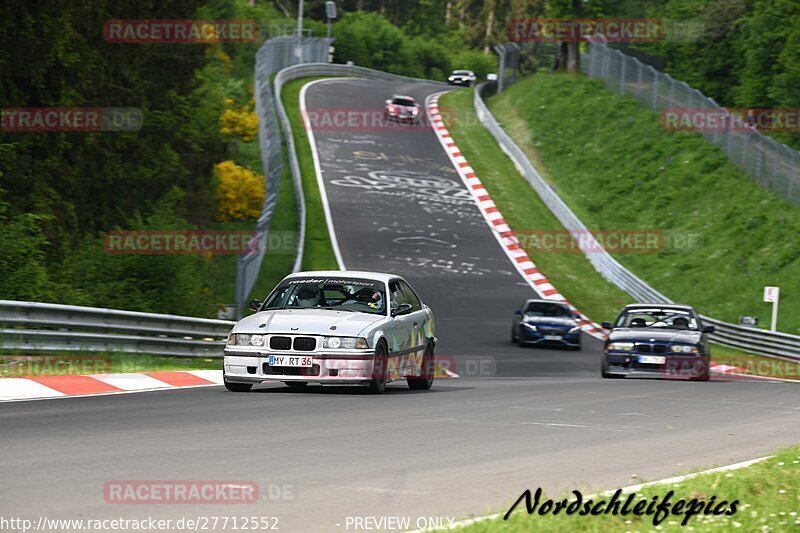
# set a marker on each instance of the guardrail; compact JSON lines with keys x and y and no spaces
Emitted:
{"x":44,"y":326}
{"x":754,"y":340}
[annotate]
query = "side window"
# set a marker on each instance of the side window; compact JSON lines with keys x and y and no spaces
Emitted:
{"x":411,"y":296}
{"x":398,"y":297}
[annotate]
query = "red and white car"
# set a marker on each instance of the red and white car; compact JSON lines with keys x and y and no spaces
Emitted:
{"x":402,"y":109}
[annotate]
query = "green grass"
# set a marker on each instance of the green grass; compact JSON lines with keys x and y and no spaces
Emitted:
{"x":571,"y":273}
{"x":17,"y":363}
{"x":768,"y":495}
{"x":610,"y":160}
{"x":318,"y":253}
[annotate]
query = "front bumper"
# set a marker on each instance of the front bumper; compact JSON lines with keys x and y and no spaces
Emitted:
{"x":529,"y":336}
{"x":460,"y":82}
{"x":674,"y":366}
{"x":347,"y":368}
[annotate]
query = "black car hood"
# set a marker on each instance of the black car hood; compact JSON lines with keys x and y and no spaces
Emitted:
{"x":655,"y":334}
{"x":550,"y":320}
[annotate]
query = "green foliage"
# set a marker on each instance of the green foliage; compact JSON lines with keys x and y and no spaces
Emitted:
{"x":674,"y":182}
{"x":370,"y":40}
{"x":746,"y":55}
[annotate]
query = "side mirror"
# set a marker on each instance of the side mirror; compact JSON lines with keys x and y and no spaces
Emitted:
{"x":402,"y":309}
{"x":709,"y":329}
{"x":255,"y":304}
{"x":607,"y":325}
{"x":576,"y":316}
{"x":518,"y":312}
{"x":388,"y":102}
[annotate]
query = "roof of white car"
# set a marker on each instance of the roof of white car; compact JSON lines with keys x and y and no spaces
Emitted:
{"x":378,"y":276}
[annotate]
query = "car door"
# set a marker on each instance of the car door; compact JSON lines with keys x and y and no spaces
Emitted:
{"x":400,"y":332}
{"x":418,"y":322}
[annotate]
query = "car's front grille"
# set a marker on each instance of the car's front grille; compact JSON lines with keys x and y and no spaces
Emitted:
{"x":552,"y":331}
{"x":280,"y":343}
{"x":291,"y":370}
{"x":651,"y":348}
{"x":305,"y":344}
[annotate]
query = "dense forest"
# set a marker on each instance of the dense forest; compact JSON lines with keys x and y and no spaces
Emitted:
{"x":61,"y":191}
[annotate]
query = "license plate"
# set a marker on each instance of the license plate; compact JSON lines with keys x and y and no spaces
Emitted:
{"x":652,"y":359}
{"x":289,"y":360}
{"x":552,"y":337}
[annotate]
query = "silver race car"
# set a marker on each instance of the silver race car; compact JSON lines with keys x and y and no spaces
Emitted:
{"x":337,"y":328}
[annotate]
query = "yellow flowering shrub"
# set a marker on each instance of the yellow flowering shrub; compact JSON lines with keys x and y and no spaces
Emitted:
{"x":240,"y":192}
{"x":239,"y":122}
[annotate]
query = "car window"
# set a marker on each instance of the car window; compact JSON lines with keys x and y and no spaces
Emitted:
{"x":398,"y":296}
{"x":548,"y":309}
{"x":404,"y":102}
{"x":411,"y":296}
{"x":658,"y":318}
{"x":344,"y":294}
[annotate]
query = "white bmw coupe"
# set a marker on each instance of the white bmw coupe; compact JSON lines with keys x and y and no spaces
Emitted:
{"x":336,"y":328}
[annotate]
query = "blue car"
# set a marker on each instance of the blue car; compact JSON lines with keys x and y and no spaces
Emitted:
{"x":544,"y":322}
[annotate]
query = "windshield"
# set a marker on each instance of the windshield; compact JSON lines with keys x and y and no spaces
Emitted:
{"x":658,"y":317}
{"x":548,"y":309}
{"x":462,"y":72}
{"x":404,"y":102}
{"x":341,"y":294}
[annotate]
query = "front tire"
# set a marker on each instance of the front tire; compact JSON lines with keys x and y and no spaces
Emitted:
{"x":425,"y":381}
{"x":379,"y":369}
{"x":237,"y":387}
{"x":604,"y":372}
{"x":514,"y":337}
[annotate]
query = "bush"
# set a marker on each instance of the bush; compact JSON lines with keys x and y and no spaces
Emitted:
{"x":240,"y":192}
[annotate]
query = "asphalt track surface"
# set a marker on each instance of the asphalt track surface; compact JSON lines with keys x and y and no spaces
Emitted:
{"x":529,"y":417}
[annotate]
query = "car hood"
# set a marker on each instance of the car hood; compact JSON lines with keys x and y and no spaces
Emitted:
{"x":550,"y":321}
{"x":308,"y":322}
{"x":657,"y":334}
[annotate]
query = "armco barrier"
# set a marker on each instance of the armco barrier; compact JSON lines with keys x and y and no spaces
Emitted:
{"x":44,"y":326}
{"x":750,"y":339}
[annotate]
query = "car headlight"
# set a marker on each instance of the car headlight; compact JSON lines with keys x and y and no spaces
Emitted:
{"x":530,"y":326}
{"x":576,"y":329}
{"x":244,"y":339}
{"x":344,"y":343}
{"x":621,"y":346}
{"x":684,"y":348}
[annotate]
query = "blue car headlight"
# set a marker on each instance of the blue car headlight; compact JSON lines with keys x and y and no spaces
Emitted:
{"x":531,"y":327}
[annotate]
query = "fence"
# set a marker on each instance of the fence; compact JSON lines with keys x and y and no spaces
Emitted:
{"x":274,"y":55}
{"x":42,"y":326}
{"x":772,"y":165}
{"x":757,"y":341}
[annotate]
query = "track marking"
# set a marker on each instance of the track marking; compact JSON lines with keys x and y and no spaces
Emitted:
{"x":318,"y":168}
{"x":505,"y":237}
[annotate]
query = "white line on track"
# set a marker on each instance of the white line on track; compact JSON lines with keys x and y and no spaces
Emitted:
{"x":318,"y":167}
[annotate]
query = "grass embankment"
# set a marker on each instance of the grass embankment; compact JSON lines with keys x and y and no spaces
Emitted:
{"x":612,"y":162}
{"x":768,"y":495}
{"x":571,"y":272}
{"x":17,"y":364}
